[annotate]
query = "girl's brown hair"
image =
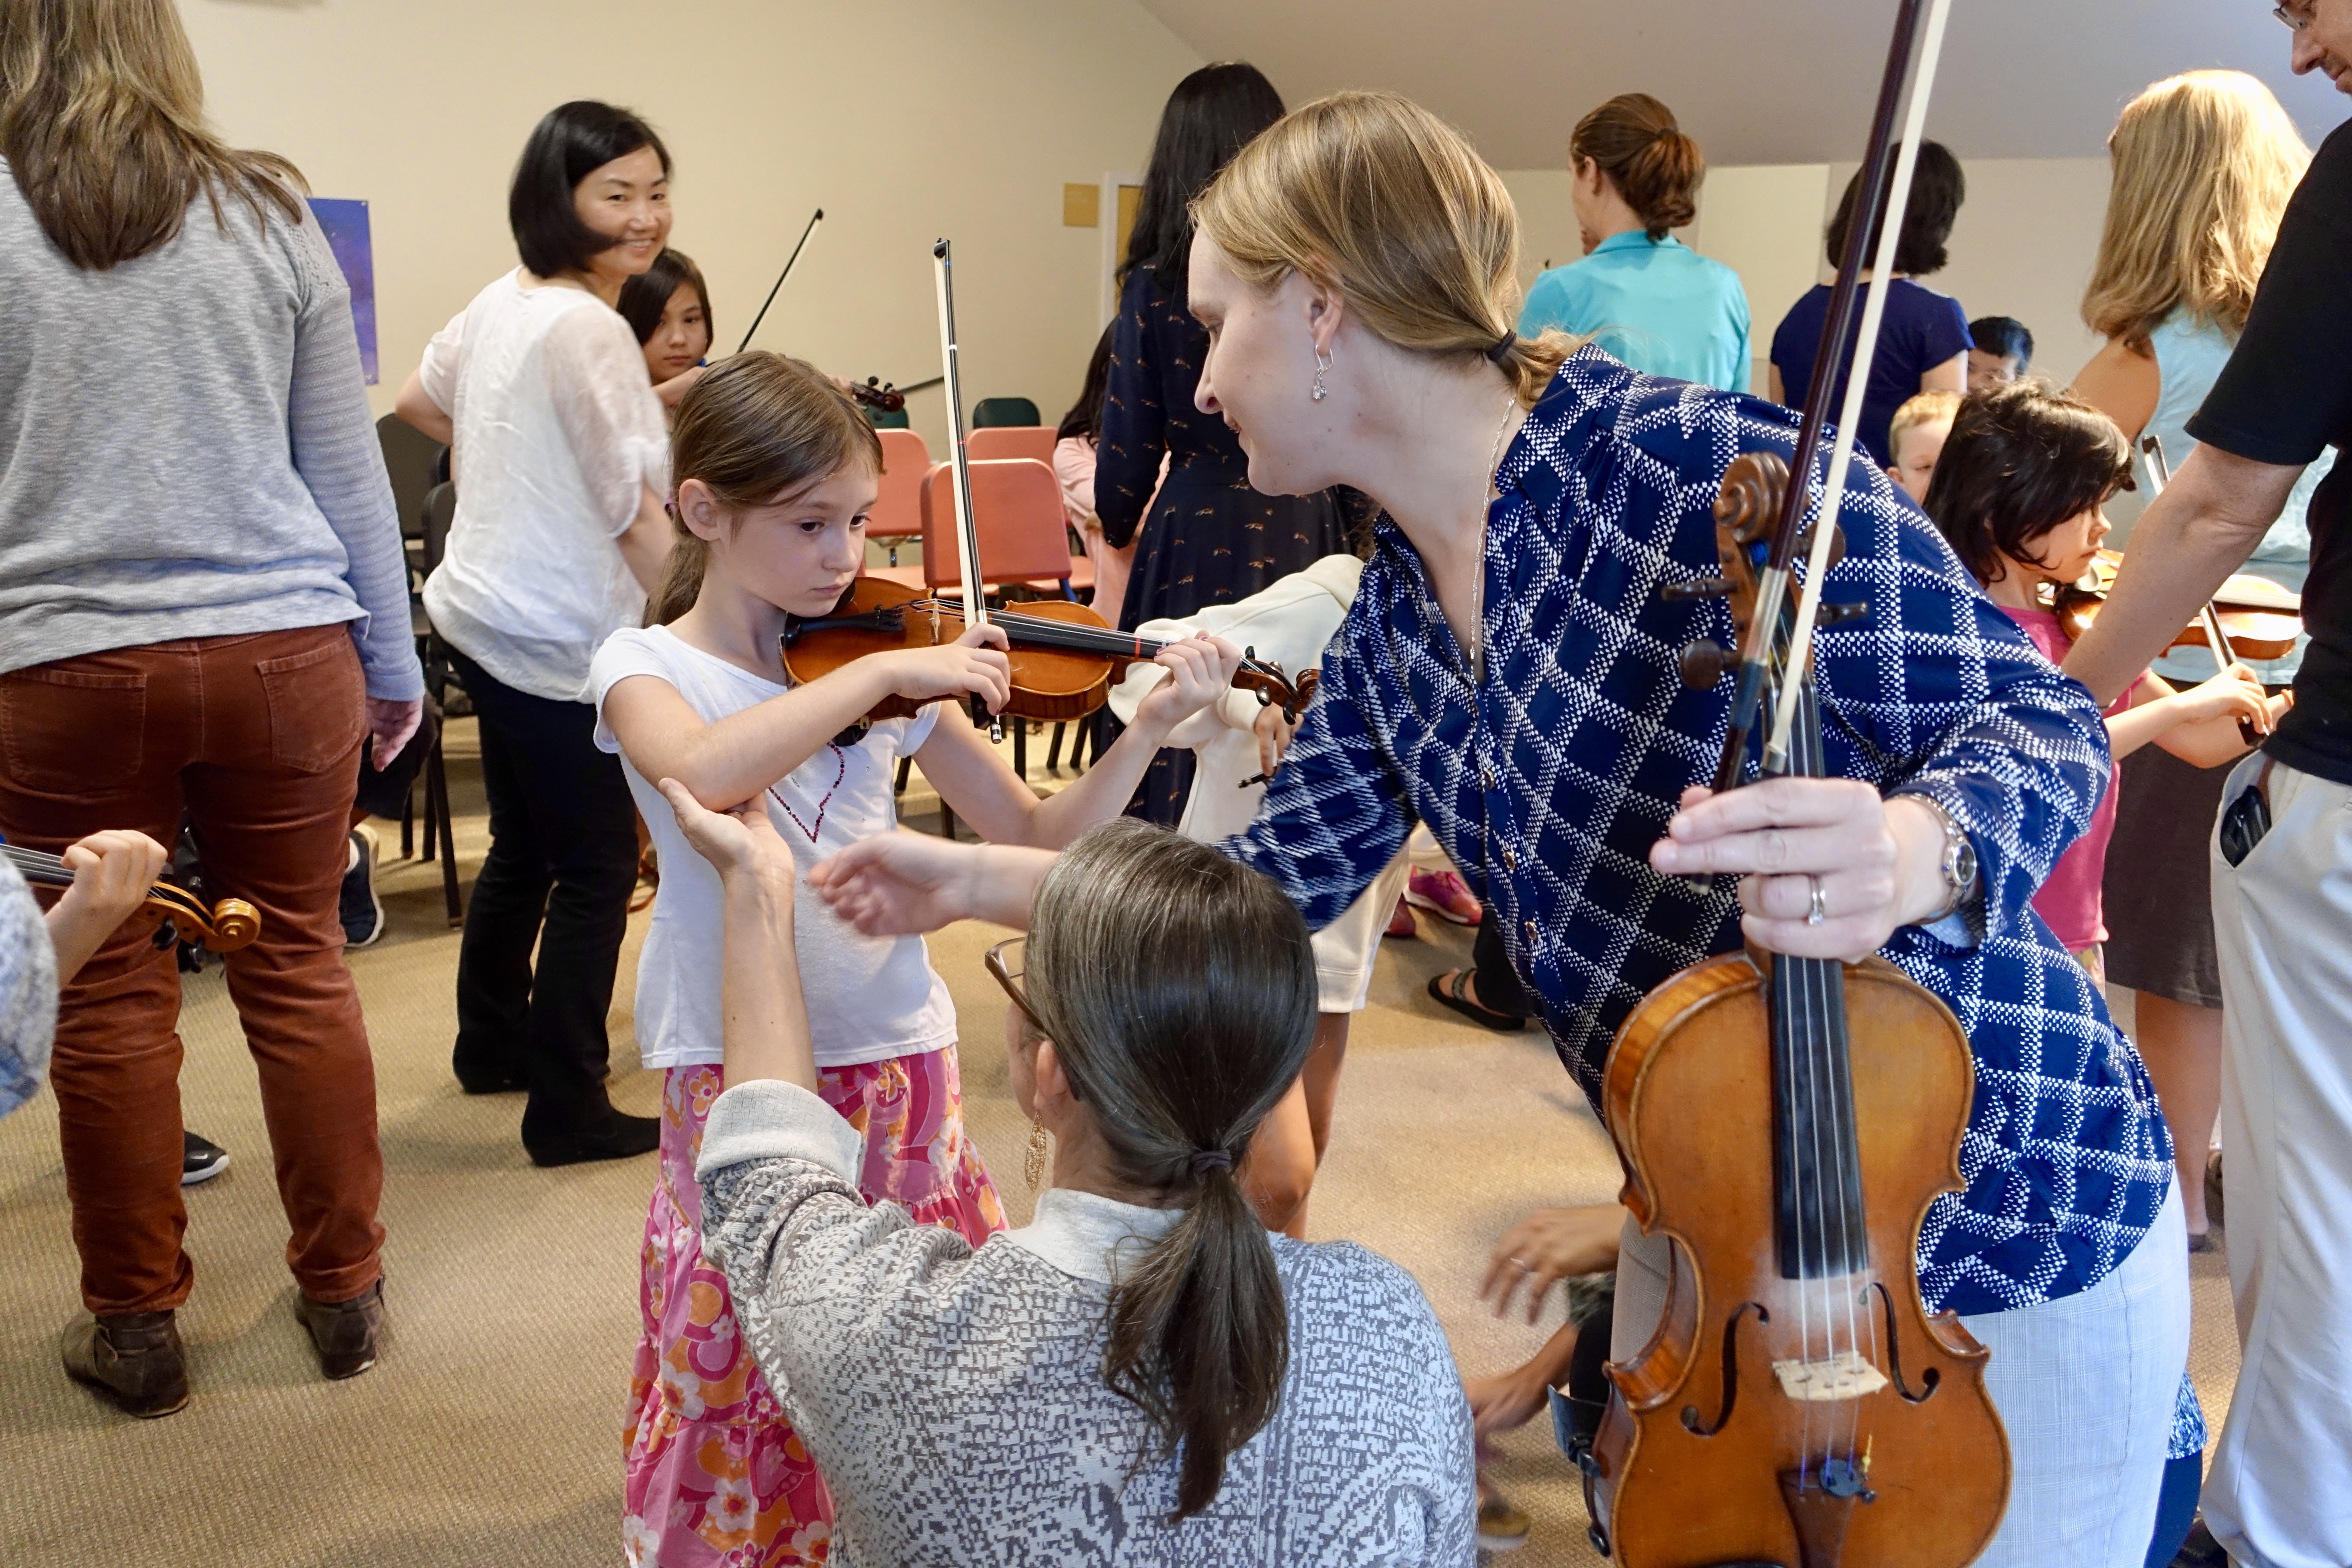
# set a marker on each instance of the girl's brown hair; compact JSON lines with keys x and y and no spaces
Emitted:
{"x":1370,"y":194}
{"x":2203,"y":165}
{"x":1635,"y":140}
{"x":1179,"y":989}
{"x":2022,"y":458}
{"x":756,"y":429}
{"x":102,"y":123}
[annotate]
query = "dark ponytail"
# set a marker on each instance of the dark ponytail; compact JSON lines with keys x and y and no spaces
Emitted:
{"x":1635,"y":140}
{"x":1179,"y":989}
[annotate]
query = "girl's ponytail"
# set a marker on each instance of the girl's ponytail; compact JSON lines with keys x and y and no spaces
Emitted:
{"x":1179,"y":989}
{"x":754,"y":429}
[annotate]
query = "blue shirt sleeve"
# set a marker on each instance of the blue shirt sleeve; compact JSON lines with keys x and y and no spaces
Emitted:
{"x":1335,"y":812}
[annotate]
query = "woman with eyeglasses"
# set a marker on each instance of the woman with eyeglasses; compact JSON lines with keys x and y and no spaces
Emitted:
{"x":1143,"y":1374}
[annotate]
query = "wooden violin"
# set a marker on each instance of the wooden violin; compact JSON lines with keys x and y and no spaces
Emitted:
{"x":1065,"y":657}
{"x":2247,"y":617}
{"x":876,"y":393}
{"x":230,"y":924}
{"x":1786,"y":1123}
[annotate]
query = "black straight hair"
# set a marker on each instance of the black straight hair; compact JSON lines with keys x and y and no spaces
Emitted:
{"x":2022,"y":458}
{"x":1213,"y":114}
{"x":570,"y":144}
{"x":1085,"y":418}
{"x":1937,"y":189}
{"x":2005,"y":337}
{"x":644,"y":297}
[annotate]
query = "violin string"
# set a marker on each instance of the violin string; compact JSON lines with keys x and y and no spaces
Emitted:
{"x":1789,"y":1013}
{"x":1836,"y":1045}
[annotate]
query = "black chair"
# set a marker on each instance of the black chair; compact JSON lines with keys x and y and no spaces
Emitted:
{"x":439,"y":507}
{"x":414,"y":462}
{"x":990,"y":412}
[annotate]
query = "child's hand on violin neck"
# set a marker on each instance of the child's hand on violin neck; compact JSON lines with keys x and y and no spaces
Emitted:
{"x":1199,"y":671}
{"x":2235,"y":693}
{"x":974,"y":665}
{"x":1805,"y":847}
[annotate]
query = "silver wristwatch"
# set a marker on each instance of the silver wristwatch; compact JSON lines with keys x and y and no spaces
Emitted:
{"x":1957,"y":863}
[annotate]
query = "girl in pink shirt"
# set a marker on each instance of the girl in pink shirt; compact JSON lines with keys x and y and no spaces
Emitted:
{"x":2018,"y":491}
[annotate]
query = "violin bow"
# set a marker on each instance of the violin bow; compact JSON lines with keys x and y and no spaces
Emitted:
{"x":2217,"y":641}
{"x":1883,"y":195}
{"x":815,"y":219}
{"x":975,"y":607}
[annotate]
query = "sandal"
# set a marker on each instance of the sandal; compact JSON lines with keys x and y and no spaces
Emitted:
{"x":1453,"y":996}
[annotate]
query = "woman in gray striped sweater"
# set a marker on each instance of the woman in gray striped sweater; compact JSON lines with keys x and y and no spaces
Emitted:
{"x":1143,"y":1375}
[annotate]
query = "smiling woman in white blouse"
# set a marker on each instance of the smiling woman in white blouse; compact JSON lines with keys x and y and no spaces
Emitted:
{"x":1143,"y":1375}
{"x":560,"y":456}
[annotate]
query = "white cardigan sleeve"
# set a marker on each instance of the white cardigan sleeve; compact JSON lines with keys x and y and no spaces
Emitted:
{"x":604,"y":399}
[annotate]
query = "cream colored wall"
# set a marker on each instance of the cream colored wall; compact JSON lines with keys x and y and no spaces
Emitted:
{"x":2023,"y":247}
{"x":904,"y":121}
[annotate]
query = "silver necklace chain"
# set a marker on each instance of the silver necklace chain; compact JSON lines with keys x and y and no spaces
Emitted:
{"x":1487,"y":494}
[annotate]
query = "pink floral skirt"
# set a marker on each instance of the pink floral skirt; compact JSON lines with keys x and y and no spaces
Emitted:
{"x":715,"y":1477}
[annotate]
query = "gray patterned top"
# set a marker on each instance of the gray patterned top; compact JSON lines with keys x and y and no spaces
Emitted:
{"x":955,"y":1403}
{"x":28,"y":991}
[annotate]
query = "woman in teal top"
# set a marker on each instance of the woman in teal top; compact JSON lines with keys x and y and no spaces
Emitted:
{"x":1652,"y":300}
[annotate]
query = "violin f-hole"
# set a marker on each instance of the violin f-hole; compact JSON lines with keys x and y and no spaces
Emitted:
{"x":1929,"y":1380}
{"x":1731,"y":1373}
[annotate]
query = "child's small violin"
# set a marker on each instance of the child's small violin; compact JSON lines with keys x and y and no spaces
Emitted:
{"x":1064,"y":657}
{"x":225,"y":927}
{"x":2259,"y":619}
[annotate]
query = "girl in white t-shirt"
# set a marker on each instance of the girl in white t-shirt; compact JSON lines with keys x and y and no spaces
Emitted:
{"x":775,"y":471}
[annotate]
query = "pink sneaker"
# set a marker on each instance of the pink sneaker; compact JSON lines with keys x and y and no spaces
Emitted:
{"x":1443,"y":894}
{"x":1401,"y":921}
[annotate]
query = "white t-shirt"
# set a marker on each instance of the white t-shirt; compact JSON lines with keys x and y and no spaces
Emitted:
{"x":868,"y":997}
{"x":558,"y":434}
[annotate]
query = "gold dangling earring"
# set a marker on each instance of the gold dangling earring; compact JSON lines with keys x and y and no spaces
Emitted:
{"x":1033,"y":1166}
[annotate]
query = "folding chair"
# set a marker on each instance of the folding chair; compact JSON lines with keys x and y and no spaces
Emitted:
{"x":898,"y":514}
{"x":991,"y":411}
{"x":1012,"y":441}
{"x":440,"y":507}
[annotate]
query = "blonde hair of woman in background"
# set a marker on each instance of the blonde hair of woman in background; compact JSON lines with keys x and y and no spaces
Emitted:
{"x":2204,"y":164}
{"x":102,"y":121}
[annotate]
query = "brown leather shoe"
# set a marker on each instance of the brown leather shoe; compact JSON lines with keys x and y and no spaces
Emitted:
{"x":347,"y":1334}
{"x":132,"y":1357}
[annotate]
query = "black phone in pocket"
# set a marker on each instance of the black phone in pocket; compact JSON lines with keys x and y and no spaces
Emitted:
{"x":2245,"y":820}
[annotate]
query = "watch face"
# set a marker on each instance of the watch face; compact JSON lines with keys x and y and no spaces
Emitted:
{"x":1964,"y":865}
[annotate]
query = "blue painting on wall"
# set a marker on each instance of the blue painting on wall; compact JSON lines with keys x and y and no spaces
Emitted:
{"x":346,"y":225}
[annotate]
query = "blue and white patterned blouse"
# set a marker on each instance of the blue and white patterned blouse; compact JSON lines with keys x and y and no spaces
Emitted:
{"x":1548,"y":784}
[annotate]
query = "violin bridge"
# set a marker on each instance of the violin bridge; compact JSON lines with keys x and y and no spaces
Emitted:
{"x":1845,"y":1376}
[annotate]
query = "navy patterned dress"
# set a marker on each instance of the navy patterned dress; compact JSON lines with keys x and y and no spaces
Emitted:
{"x":1208,"y":538}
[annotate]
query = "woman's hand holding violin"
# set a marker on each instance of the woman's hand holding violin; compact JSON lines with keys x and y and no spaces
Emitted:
{"x":974,"y":665}
{"x":1868,"y":865}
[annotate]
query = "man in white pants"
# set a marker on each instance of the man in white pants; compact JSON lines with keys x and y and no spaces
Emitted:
{"x":2280,"y":1492}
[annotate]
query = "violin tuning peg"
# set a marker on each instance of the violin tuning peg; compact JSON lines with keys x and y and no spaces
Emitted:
{"x":1838,"y":614}
{"x":1699,"y":589}
{"x":1704,"y":663}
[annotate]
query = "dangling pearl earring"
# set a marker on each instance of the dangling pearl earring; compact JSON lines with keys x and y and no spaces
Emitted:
{"x":1033,"y":1165}
{"x":1322,"y":364}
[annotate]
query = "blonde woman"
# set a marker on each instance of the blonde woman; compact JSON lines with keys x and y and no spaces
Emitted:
{"x":203,"y":609}
{"x":2203,"y":165}
{"x":1508,"y":675}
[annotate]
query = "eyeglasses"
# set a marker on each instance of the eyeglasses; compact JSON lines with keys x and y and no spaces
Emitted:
{"x":1004,"y":962}
{"x":2294,"y":17}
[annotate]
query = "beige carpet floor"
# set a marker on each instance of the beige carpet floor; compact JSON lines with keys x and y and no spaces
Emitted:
{"x":489,"y":1434}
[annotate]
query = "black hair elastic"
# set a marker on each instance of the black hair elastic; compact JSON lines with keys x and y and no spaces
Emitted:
{"x":1208,"y":1160}
{"x":1503,"y":347}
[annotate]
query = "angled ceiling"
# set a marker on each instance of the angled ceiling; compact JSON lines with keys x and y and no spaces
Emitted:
{"x":1757,"y":82}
